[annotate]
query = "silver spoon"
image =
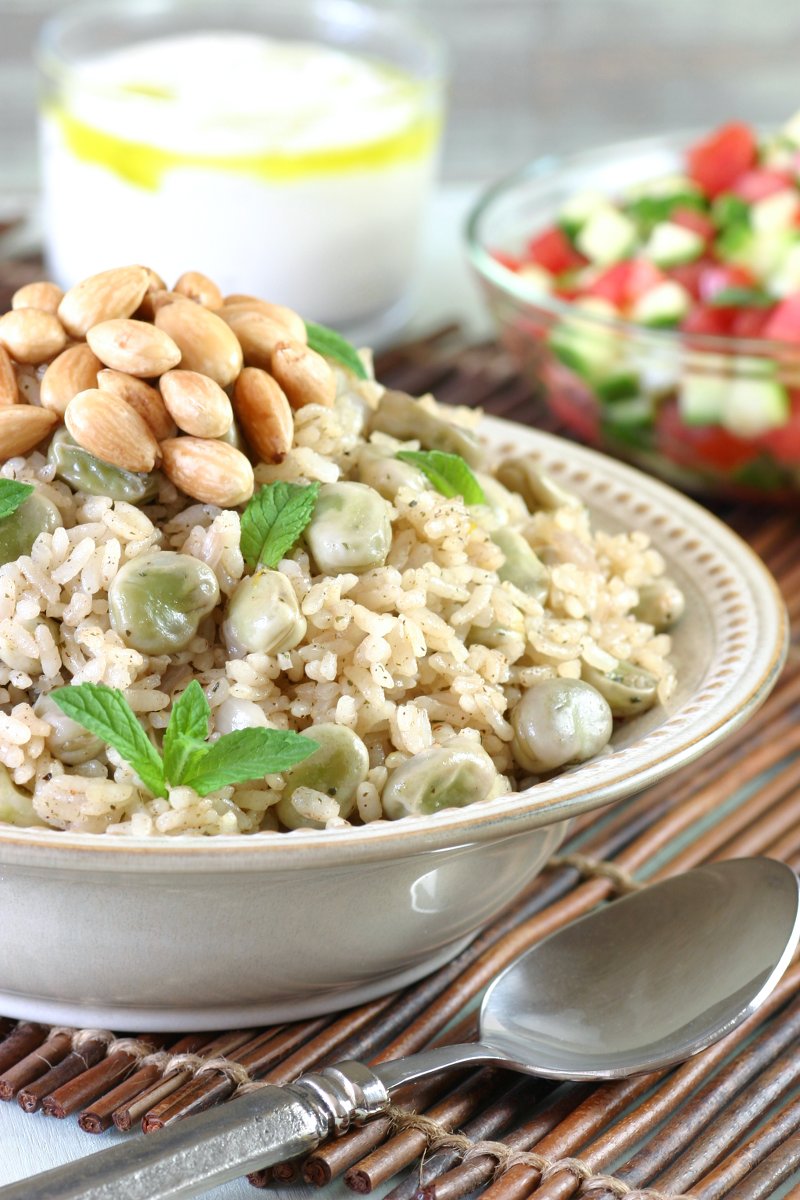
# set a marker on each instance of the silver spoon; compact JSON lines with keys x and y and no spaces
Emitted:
{"x":637,"y":985}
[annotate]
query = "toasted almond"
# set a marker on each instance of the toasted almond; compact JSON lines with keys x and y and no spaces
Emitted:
{"x":146,"y":400}
{"x":212,"y":472}
{"x":73,"y":371}
{"x":9,"y":392}
{"x":257,"y":333}
{"x":103,"y":297}
{"x":111,"y":430}
{"x":31,"y":336}
{"x":304,"y":375}
{"x":22,"y":427}
{"x":44,"y":295}
{"x":206,"y":343}
{"x":276,"y":312}
{"x":154,"y":281}
{"x":196,"y":403}
{"x":153,"y":301}
{"x":199,"y":287}
{"x":135,"y":347}
{"x":264,"y":414}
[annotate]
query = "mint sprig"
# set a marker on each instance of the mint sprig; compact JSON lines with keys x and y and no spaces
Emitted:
{"x":331,"y":344}
{"x":190,"y":760}
{"x":12,"y":495}
{"x":273,"y":521}
{"x":448,"y":473}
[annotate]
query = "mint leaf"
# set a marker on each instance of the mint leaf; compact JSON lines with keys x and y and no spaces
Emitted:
{"x":448,"y":473}
{"x":331,"y":344}
{"x":248,"y":754}
{"x":273,"y":521}
{"x":740,"y":297}
{"x":186,"y":733}
{"x":106,"y":712}
{"x":12,"y":495}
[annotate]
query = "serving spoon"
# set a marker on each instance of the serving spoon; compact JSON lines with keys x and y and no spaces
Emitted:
{"x":634,"y":986}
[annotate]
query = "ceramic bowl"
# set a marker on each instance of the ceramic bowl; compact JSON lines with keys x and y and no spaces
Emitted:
{"x":179,"y":934}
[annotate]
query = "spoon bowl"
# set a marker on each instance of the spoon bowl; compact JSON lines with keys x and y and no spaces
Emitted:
{"x":634,"y":986}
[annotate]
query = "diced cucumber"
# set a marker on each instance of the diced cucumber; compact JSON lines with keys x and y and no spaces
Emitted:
{"x":622,"y":384}
{"x":670,"y":244}
{"x":594,"y":353}
{"x":701,"y":399}
{"x":630,"y":421}
{"x":730,"y":211}
{"x":648,"y":211}
{"x":579,"y":208}
{"x":662,"y":306}
{"x":667,"y":185}
{"x":754,"y":406}
{"x":607,"y":237}
{"x":536,"y":278}
{"x":775,"y":212}
{"x":762,"y":253}
{"x":787,"y":277}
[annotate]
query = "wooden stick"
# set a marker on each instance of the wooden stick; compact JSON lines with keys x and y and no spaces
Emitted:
{"x":22,"y":1039}
{"x":763,"y":1180}
{"x":52,"y":1051}
{"x":77,"y":1061}
{"x":100,"y":1116}
{"x":85,"y":1087}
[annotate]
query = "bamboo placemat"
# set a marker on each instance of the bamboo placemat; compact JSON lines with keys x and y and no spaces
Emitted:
{"x":724,"y":1124}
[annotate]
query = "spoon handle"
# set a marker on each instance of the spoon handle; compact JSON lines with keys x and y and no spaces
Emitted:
{"x":257,"y":1129}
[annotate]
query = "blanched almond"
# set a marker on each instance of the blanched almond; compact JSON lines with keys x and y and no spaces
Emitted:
{"x":210,"y":471}
{"x":111,"y":430}
{"x":196,"y":403}
{"x":43,"y":295}
{"x":206,"y":343}
{"x":264,"y":414}
{"x":146,"y":400}
{"x":22,"y":427}
{"x":200,"y":288}
{"x":135,"y":347}
{"x":258,"y":334}
{"x":9,"y":392}
{"x":103,"y":297}
{"x":31,"y":336}
{"x":73,"y":371}
{"x":303,"y":374}
{"x":153,"y":301}
{"x":276,"y":312}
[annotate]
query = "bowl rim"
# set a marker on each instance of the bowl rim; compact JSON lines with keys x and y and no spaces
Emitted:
{"x":609,"y":777}
{"x":547,"y":168}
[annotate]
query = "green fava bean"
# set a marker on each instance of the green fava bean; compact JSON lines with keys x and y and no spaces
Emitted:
{"x":157,"y":601}
{"x":443,"y":777}
{"x":337,"y":768}
{"x":522,"y":567}
{"x":627,"y":688}
{"x":387,"y":474}
{"x":351,"y":529}
{"x":16,"y":806}
{"x":18,"y":532}
{"x":68,"y":741}
{"x":661,"y":604}
{"x":559,"y":721}
{"x":403,"y":417}
{"x":537,"y":488}
{"x":85,"y":473}
{"x":263,"y":616}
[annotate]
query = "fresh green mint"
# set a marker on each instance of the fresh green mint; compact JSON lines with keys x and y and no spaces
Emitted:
{"x":273,"y":521}
{"x":740,"y":297}
{"x":448,"y":473}
{"x":331,"y":344}
{"x":12,"y":495}
{"x":190,"y":760}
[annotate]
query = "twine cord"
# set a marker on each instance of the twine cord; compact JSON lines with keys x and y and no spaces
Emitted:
{"x":598,"y":868}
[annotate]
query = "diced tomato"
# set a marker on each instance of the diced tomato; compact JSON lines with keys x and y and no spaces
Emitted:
{"x":688,"y":275}
{"x":623,"y":283}
{"x":716,"y":162}
{"x":784,"y":443}
{"x":698,"y":222}
{"x":750,"y":322}
{"x":758,"y":184}
{"x":571,"y":402}
{"x":553,"y":251}
{"x":784,"y":323}
{"x":713,"y":321}
{"x":507,"y":260}
{"x":718,"y":277}
{"x":708,"y":445}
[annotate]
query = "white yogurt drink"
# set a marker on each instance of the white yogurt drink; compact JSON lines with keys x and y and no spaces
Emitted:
{"x":289,"y":169}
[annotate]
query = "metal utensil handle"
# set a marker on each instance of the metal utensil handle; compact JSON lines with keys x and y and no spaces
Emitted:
{"x":256,"y":1130}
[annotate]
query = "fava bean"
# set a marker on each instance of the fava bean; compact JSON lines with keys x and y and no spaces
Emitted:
{"x":85,"y":473}
{"x":351,"y":529}
{"x":16,"y":806}
{"x":387,"y":474}
{"x":403,"y":417}
{"x":661,"y":604}
{"x":337,"y":768}
{"x":449,"y":776}
{"x":627,"y":688}
{"x":67,"y":741}
{"x":18,"y":532}
{"x":157,"y":601}
{"x":536,"y":487}
{"x":521,"y":567}
{"x":559,"y":721}
{"x":263,"y":616}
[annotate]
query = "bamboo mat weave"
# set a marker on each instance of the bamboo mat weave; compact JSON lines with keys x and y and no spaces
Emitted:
{"x":725,"y":1124}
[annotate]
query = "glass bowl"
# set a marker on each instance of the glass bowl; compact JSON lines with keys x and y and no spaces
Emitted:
{"x":616,"y":384}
